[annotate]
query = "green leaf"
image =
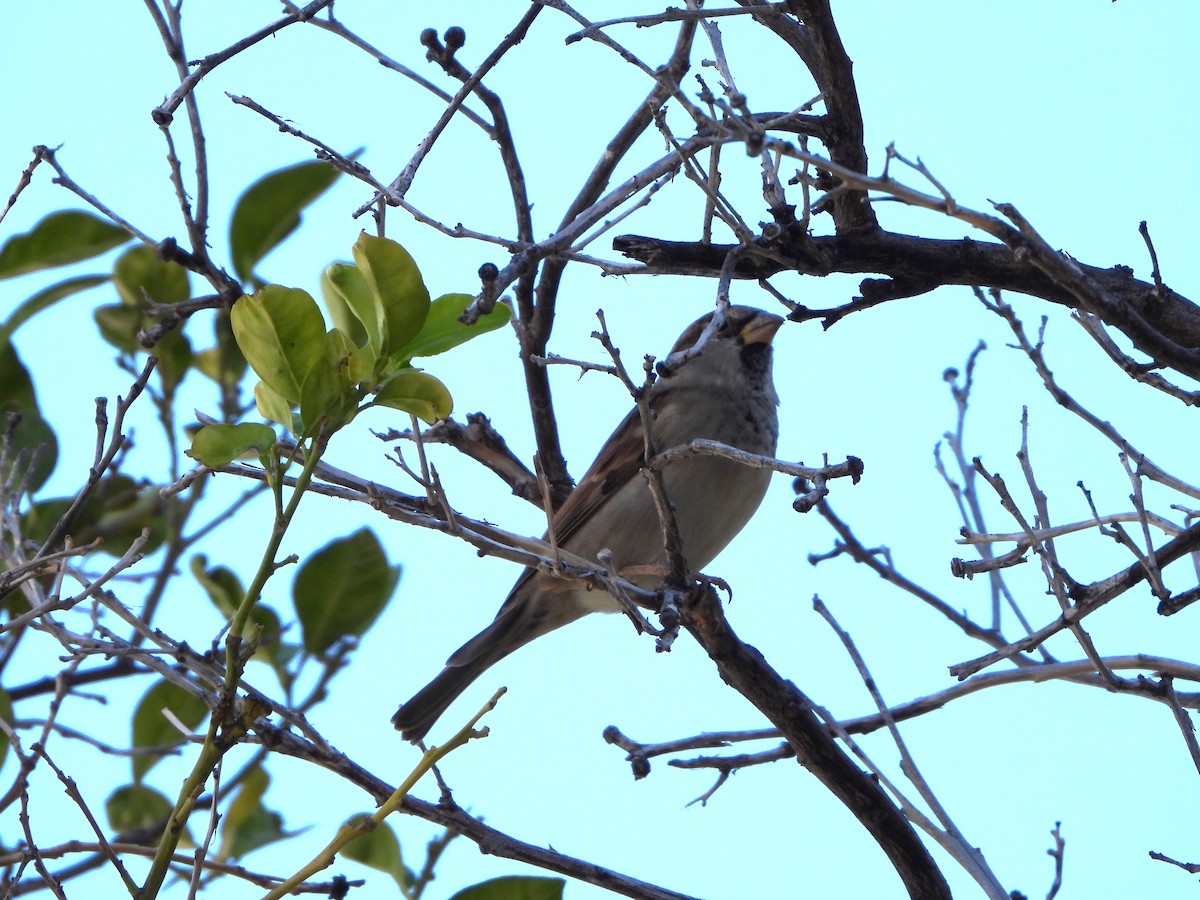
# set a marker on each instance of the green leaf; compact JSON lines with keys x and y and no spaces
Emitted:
{"x":219,"y":445}
{"x":142,"y":277}
{"x":224,"y":362}
{"x":275,"y":407}
{"x":37,"y":444}
{"x":136,"y":807}
{"x":119,"y":326}
{"x":351,"y":304}
{"x":346,"y":359}
{"x":442,"y":330}
{"x":225,"y":590}
{"x":6,"y":713}
{"x":174,"y":354}
{"x":221,"y":584}
{"x":233,"y":362}
{"x":320,"y":399}
{"x":329,"y":397}
{"x":351,"y":289}
{"x":41,"y":517}
{"x":116,"y":512}
{"x":342,"y":589}
{"x":413,"y":391}
{"x":61,"y":238}
{"x":151,"y":728}
{"x":269,"y":210}
{"x":33,"y":435}
{"x":514,"y":887}
{"x":380,"y":850}
{"x":395,"y":281}
{"x":281,"y":332}
{"x":46,"y":298}
{"x":248,"y":824}
{"x":16,"y":387}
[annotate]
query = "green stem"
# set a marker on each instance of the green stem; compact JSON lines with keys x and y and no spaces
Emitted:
{"x":217,"y":741}
{"x":367,"y":824}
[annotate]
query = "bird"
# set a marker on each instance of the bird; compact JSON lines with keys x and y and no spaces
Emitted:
{"x":725,"y":393}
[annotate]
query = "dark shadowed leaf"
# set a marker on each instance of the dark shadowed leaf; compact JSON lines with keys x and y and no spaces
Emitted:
{"x":175,"y":356}
{"x":16,"y":387}
{"x":221,"y":584}
{"x":6,"y":713}
{"x":269,"y":211}
{"x":152,"y":728}
{"x":225,"y":590}
{"x":60,"y":239}
{"x":341,"y":590}
{"x":117,"y":511}
{"x":33,"y":438}
{"x":119,"y":325}
{"x":141,"y":278}
{"x":136,"y":807}
{"x":514,"y":887}
{"x":34,"y":450}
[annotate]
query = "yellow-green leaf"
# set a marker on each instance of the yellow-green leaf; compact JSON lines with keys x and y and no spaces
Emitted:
{"x":281,"y":332}
{"x":219,"y":445}
{"x":351,"y":304}
{"x":274,"y":406}
{"x":248,"y":824}
{"x":380,"y":850}
{"x":414,"y":391}
{"x":345,"y":358}
{"x":327,"y":400}
{"x":394,"y":279}
{"x":442,"y":331}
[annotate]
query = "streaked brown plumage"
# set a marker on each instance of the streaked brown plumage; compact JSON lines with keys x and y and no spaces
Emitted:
{"x":725,"y":394}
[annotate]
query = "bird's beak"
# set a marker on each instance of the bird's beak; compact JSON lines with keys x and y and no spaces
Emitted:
{"x":761,"y":329}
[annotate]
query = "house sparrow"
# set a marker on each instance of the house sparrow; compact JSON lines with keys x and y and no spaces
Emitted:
{"x":723,"y":394}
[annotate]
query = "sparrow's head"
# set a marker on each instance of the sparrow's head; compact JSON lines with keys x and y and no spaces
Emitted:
{"x":745,"y":328}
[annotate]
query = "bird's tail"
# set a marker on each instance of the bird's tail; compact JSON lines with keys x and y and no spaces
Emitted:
{"x":414,"y":719}
{"x":517,"y":625}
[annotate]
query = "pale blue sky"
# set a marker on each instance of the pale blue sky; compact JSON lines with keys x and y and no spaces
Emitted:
{"x":1082,"y":114}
